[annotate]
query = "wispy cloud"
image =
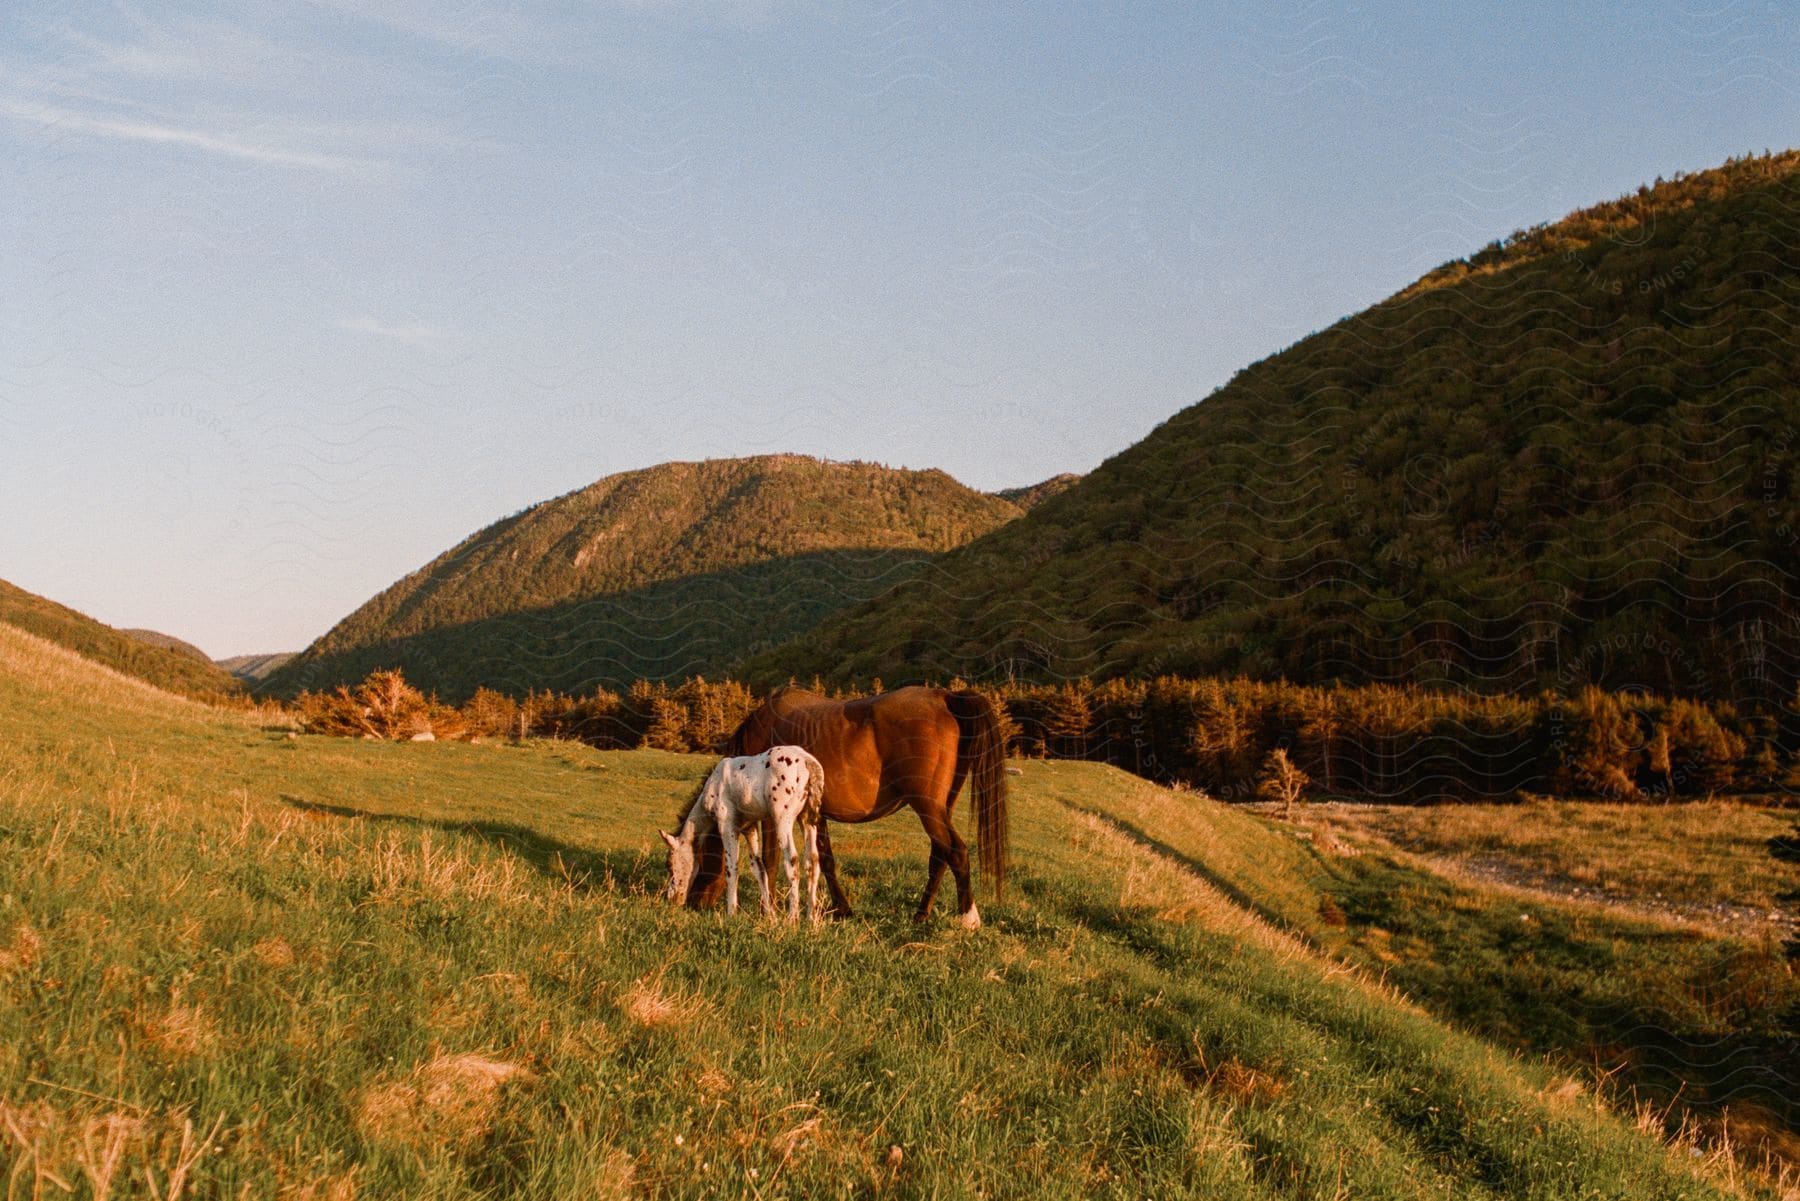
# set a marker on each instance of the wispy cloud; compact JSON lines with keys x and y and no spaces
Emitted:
{"x":140,"y":59}
{"x":413,"y":333}
{"x":282,"y":92}
{"x":74,"y":121}
{"x":581,"y":36}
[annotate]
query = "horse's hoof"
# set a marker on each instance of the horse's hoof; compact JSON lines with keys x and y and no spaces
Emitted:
{"x":972,"y":919}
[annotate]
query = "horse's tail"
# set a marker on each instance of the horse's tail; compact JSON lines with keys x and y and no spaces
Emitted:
{"x":981,"y":751}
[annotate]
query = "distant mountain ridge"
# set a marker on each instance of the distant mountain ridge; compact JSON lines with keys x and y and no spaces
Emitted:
{"x":1568,"y":458}
{"x":156,"y":662}
{"x":661,"y":573}
{"x":1032,"y":495}
{"x":252,"y":668}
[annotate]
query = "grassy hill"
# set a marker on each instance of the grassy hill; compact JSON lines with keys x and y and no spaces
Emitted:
{"x":257,"y":963}
{"x":169,"y":642}
{"x":252,"y":668}
{"x":663,"y":573}
{"x":122,"y":650}
{"x":1569,"y":458}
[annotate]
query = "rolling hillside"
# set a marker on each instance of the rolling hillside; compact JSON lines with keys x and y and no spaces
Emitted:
{"x":1032,"y":495}
{"x":263,"y":964}
{"x":169,"y":642}
{"x":663,"y":573}
{"x":1569,"y":458}
{"x":252,"y":668}
{"x":127,"y":651}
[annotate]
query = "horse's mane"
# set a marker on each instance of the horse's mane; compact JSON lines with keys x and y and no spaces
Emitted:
{"x":734,"y":745}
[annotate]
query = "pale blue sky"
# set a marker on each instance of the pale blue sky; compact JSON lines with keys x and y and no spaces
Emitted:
{"x":295,"y":295}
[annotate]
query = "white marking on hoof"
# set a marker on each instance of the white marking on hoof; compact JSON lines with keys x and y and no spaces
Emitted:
{"x":972,"y":919}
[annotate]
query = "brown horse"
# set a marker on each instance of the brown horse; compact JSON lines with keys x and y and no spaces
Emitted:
{"x":910,"y":747}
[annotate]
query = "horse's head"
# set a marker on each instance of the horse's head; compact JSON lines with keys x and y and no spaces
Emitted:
{"x":681,"y":864}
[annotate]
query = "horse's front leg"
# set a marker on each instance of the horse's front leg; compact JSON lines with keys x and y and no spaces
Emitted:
{"x":755,"y":838}
{"x":728,"y":834}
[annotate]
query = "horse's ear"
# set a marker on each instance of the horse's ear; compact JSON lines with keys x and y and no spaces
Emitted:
{"x":670,"y":839}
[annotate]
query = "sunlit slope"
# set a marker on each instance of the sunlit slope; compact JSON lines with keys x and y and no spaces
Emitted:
{"x":433,"y":970}
{"x":1568,"y":458}
{"x":252,"y":668}
{"x":1697,"y":1024}
{"x":662,"y":573}
{"x":122,"y":650}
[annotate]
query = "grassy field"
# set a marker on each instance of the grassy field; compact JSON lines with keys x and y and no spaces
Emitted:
{"x":1697,"y":855}
{"x":235,"y":961}
{"x":1691,"y":1020}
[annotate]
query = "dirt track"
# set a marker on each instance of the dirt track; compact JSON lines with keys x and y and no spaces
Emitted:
{"x":1345,"y":827}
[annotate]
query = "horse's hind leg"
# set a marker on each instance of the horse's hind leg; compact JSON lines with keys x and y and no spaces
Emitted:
{"x":840,"y":904}
{"x":771,"y":847}
{"x":934,"y":875}
{"x":959,"y":867}
{"x":947,"y":850}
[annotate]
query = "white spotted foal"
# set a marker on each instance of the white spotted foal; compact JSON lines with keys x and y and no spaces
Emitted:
{"x":782,"y":784}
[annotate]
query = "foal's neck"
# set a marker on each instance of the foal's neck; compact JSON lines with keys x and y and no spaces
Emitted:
{"x":699,"y":823}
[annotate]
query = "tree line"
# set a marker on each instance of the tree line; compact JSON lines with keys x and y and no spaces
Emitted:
{"x":1374,"y":742}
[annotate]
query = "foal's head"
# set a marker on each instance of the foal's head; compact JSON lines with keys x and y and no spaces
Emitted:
{"x":681,"y":864}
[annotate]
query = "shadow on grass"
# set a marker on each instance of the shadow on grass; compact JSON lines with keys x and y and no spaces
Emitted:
{"x":1150,"y":842}
{"x":1703,"y":1026}
{"x":1694,"y":1024}
{"x":630,"y":872}
{"x":1786,"y":849}
{"x":581,"y":867}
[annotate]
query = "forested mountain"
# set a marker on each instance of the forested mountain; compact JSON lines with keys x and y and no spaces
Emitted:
{"x":124,"y":651}
{"x":663,"y":573}
{"x":1032,"y":495}
{"x":1568,"y":458}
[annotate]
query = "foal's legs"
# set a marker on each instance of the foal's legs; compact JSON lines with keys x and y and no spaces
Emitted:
{"x":812,"y":871}
{"x":728,"y":835}
{"x":754,"y":836}
{"x":790,"y":864}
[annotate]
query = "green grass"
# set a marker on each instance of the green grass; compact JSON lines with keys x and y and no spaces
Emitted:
{"x":1692,"y":854}
{"x":439,"y":970}
{"x":1699,"y":1025}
